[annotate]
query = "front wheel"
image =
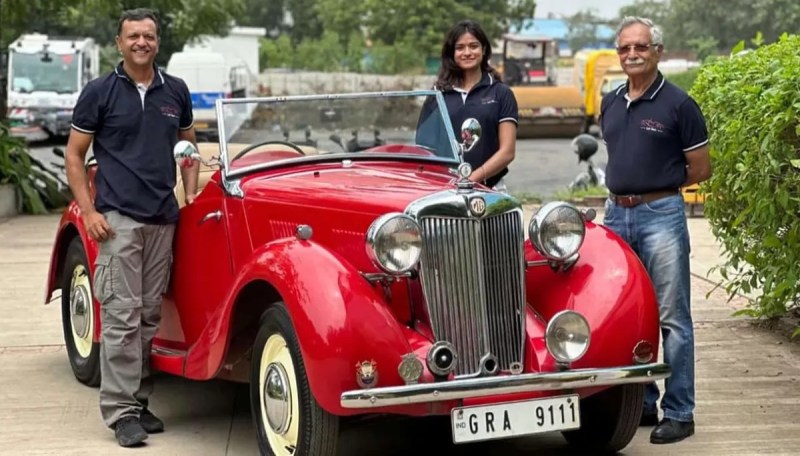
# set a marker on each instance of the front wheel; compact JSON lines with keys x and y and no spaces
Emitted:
{"x":288,"y":420}
{"x":609,"y":419}
{"x":77,"y":315}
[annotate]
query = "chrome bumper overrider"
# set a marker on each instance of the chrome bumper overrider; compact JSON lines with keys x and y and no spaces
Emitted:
{"x":487,"y":386}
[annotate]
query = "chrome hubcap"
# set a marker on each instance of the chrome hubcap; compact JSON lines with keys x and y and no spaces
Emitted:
{"x":277,"y":399}
{"x":79,"y":309}
{"x":81,"y":312}
{"x":277,"y":388}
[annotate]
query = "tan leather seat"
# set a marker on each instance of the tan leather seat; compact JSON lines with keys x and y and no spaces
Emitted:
{"x":208,"y":150}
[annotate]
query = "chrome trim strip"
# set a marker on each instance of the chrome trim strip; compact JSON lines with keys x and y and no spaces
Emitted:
{"x":337,"y":96}
{"x":476,"y":387}
{"x":163,"y":351}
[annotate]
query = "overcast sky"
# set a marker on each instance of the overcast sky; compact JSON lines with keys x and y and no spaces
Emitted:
{"x":606,"y":8}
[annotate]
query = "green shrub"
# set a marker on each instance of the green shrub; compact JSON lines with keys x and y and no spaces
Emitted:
{"x":684,"y":79}
{"x":36,"y":188}
{"x":752,"y":104}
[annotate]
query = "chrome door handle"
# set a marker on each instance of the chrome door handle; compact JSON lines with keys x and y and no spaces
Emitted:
{"x":211,"y":215}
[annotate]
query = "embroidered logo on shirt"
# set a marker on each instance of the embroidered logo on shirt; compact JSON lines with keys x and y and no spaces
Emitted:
{"x":170,"y":111}
{"x":488,"y":100}
{"x":652,"y":125}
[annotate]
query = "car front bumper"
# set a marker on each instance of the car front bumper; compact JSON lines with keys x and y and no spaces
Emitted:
{"x":508,"y":384}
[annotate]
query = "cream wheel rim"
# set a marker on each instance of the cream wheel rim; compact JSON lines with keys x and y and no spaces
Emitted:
{"x":277,"y":389}
{"x":81,"y":311}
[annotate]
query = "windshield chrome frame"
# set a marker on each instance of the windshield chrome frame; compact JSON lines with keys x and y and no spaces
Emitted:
{"x":228,"y":175}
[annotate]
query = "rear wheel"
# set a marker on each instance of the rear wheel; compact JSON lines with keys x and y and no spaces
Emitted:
{"x":288,"y":420}
{"x":77,"y":315}
{"x":609,"y":419}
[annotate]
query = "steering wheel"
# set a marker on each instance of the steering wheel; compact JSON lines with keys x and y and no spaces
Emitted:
{"x":247,"y":149}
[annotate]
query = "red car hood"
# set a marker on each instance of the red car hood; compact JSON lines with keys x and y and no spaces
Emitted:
{"x":338,"y":203}
{"x":365,"y":188}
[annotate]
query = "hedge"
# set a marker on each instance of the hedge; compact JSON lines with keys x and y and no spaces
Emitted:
{"x":751,"y":102}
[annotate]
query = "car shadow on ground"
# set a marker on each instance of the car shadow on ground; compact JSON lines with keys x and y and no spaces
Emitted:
{"x":404,"y":436}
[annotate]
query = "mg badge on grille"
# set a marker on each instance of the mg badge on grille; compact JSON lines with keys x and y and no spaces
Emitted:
{"x":477,"y":206}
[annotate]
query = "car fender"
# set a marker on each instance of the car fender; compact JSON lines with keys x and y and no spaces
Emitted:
{"x":70,"y":225}
{"x":610,"y":287}
{"x":339,"y":317}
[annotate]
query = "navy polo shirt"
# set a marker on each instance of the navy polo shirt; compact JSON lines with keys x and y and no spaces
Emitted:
{"x":647,"y":138}
{"x":490,"y":102}
{"x":133,"y":139}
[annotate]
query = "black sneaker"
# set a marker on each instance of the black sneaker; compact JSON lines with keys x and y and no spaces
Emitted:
{"x":129,"y":432}
{"x":150,"y":422}
{"x":671,"y":431}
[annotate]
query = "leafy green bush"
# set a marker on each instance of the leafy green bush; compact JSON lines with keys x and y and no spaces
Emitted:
{"x":36,"y":188}
{"x":684,"y":79}
{"x":752,"y":104}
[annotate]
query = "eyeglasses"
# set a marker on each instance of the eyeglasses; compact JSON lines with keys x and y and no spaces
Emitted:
{"x":622,"y":50}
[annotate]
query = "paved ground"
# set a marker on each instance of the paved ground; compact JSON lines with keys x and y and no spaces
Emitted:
{"x":747,"y":385}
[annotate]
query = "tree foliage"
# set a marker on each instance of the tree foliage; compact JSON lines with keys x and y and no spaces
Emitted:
{"x":583,"y":27}
{"x":709,"y":27}
{"x":753,"y":201}
{"x":181,"y":20}
{"x":392,"y":36}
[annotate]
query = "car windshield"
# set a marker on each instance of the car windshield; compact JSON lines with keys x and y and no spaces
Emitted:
{"x":261,"y":132}
{"x":44,"y":72}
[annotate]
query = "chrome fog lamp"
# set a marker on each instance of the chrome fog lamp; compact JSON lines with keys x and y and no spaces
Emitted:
{"x":394,"y":243}
{"x":567,"y":336}
{"x":557,"y":231}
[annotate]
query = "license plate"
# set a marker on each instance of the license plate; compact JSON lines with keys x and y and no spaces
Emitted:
{"x":512,"y":419}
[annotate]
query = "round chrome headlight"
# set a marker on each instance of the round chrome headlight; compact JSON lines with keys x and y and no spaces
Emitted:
{"x":567,"y":336}
{"x":394,"y":243}
{"x":557,"y":230}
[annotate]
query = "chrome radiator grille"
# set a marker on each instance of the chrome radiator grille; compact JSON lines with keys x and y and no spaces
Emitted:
{"x":472,"y":273}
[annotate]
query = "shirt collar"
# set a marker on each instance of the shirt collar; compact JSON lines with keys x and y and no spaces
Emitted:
{"x":650,"y":93}
{"x":158,"y":80}
{"x":486,"y":80}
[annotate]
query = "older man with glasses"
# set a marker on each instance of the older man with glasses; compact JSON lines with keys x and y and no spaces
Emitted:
{"x":657,"y":142}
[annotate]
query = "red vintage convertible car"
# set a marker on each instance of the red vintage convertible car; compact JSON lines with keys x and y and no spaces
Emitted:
{"x":339,"y":261}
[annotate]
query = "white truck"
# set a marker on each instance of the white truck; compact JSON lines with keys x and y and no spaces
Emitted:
{"x":45,"y":77}
{"x":218,"y":67}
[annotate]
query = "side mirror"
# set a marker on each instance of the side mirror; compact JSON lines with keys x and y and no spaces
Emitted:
{"x":470,"y":134}
{"x":186,"y":154}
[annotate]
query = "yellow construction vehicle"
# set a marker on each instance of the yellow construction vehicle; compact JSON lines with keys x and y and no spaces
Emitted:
{"x":595,"y":73}
{"x":545,"y":108}
{"x":693,"y":198}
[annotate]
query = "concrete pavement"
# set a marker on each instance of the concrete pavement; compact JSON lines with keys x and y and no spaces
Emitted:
{"x":747,"y":382}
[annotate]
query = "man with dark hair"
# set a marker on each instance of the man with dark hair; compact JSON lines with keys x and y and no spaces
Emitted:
{"x":657,"y":143}
{"x":132,"y":117}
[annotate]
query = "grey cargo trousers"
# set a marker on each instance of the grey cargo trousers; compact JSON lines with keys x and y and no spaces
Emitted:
{"x":132,"y":272}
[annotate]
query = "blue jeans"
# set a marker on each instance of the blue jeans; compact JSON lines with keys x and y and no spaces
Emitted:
{"x":658,"y":233}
